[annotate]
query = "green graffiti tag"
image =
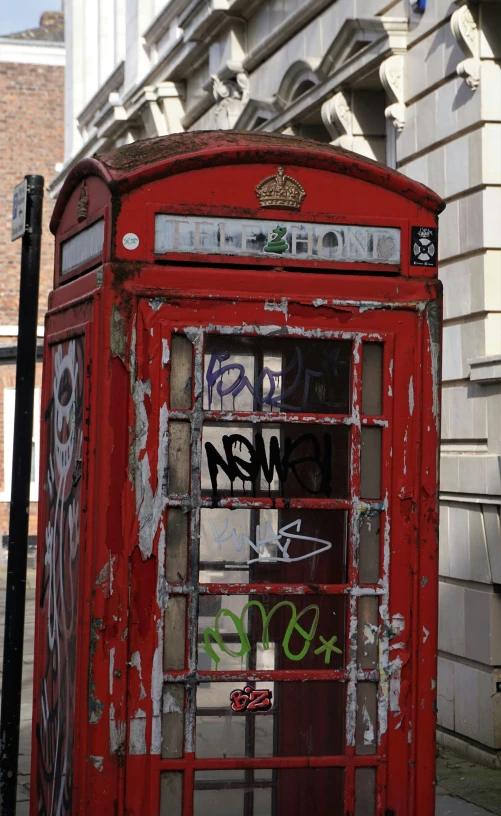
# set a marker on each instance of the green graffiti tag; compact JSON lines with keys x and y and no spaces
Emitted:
{"x":212,"y":635}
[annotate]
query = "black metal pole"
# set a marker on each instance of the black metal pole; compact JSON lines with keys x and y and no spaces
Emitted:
{"x":20,"y":498}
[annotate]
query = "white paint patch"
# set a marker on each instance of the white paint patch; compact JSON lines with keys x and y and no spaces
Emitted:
{"x":368,"y":728}
{"x":426,"y":634}
{"x":273,"y":306}
{"x":156,"y":304}
{"x":165,"y":351}
{"x":135,"y":662}
{"x":156,"y":692}
{"x":112,"y":669}
{"x":370,"y":633}
{"x":170,"y":706}
{"x":411,"y":395}
{"x":97,"y":761}
{"x":130,"y":241}
{"x":137,"y":733}
{"x":395,"y":678}
{"x":319,"y":302}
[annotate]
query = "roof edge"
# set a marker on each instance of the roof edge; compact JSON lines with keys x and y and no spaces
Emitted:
{"x":122,"y":169}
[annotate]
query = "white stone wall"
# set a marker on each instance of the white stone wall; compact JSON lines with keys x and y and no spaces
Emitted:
{"x":422,"y":92}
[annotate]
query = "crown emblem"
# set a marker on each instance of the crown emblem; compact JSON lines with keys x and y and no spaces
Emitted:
{"x":83,"y":203}
{"x":424,"y":232}
{"x":280,"y":191}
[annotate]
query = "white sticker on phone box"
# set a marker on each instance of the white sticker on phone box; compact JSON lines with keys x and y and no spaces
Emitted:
{"x":130,"y":241}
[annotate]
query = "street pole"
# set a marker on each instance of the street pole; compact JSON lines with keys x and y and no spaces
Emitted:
{"x":20,"y":497}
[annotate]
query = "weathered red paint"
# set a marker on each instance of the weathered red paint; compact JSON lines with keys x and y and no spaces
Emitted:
{"x":119,"y":673}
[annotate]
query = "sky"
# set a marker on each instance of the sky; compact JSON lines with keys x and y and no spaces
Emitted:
{"x":26,"y":14}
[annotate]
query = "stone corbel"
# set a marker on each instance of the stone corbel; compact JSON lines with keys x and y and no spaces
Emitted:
{"x":465,"y":30}
{"x":337,"y":119}
{"x":231,"y":96}
{"x":391,"y":73}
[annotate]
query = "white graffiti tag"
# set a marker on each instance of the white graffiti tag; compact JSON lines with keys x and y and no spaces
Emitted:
{"x":266,"y":536}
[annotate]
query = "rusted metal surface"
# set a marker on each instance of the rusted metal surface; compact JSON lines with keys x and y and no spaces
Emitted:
{"x":161,"y":460}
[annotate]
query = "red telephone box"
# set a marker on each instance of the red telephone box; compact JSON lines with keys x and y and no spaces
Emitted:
{"x":237,"y":580}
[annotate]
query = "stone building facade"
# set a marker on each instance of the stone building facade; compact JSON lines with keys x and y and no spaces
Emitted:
{"x":31,"y":141}
{"x":416,"y":85}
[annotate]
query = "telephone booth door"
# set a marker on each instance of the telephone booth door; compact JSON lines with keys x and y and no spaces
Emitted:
{"x":285,"y":450}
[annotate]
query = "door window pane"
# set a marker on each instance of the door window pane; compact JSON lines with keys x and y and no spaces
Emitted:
{"x":171,"y":794}
{"x":275,"y":460}
{"x":272,"y":719}
{"x":372,"y":379}
{"x":272,"y":546}
{"x":271,"y":632}
{"x":277,"y":374}
{"x":370,"y":463}
{"x":180,"y":372}
{"x":294,"y":792}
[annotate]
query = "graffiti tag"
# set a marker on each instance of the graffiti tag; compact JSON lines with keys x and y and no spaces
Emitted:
{"x":251,"y":699}
{"x":264,"y":389}
{"x":297,"y":624}
{"x":261,"y":463}
{"x":266,"y":536}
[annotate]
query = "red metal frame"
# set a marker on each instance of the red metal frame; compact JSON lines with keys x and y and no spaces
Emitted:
{"x":123,"y":588}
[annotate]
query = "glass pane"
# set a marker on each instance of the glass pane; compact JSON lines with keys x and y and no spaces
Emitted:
{"x":172,"y":721}
{"x":372,"y":379}
{"x":271,"y":632}
{"x":179,"y":457}
{"x":366,"y":737}
{"x":270,"y":719}
{"x":272,"y":546}
{"x":283,"y":460}
{"x":180,"y":372}
{"x":288,"y":791}
{"x":370,"y":463}
{"x":171,"y":794}
{"x":277,"y":374}
{"x":368,"y":631}
{"x":368,"y":562}
{"x":176,"y":556}
{"x":365,"y":792}
{"x":175,"y":632}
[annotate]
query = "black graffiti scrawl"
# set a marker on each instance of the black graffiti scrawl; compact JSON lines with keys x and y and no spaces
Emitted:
{"x":55,"y":722}
{"x":307,"y":460}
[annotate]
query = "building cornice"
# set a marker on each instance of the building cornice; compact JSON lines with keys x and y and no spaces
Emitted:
{"x":34,"y":52}
{"x":391,"y":40}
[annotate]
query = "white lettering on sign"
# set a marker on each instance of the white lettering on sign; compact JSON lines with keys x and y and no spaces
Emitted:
{"x":275,"y":239}
{"x":82,"y":247}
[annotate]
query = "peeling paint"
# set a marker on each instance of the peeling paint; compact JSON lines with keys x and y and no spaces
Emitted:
{"x":157,"y":680}
{"x":135,"y":662}
{"x":137,"y":733}
{"x":156,"y":303}
{"x":97,"y":761}
{"x":94,"y":705}
{"x":170,"y":706}
{"x":112,"y":669}
{"x":368,"y":727}
{"x":433,"y":317}
{"x":274,"y":306}
{"x":118,"y":337}
{"x":411,"y":395}
{"x":319,"y":302}
{"x":165,"y":351}
{"x":117,"y":733}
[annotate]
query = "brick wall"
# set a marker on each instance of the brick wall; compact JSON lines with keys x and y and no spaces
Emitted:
{"x":31,"y":141}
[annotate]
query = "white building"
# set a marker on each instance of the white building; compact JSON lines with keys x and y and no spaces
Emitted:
{"x":417,"y":85}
